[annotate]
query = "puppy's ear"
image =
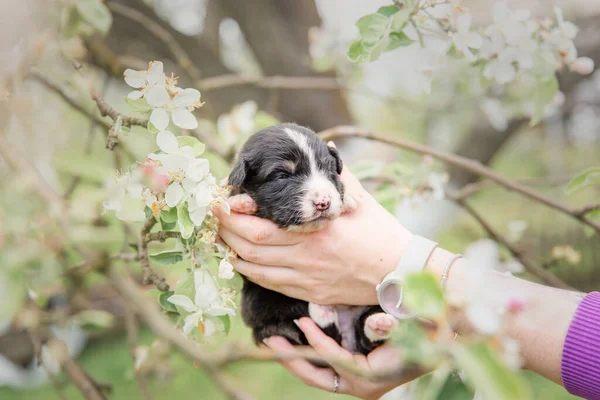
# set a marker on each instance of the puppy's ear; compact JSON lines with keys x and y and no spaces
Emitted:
{"x":336,"y":155}
{"x":239,"y":172}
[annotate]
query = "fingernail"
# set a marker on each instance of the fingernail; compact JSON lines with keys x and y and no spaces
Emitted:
{"x":297,"y":323}
{"x":266,"y":341}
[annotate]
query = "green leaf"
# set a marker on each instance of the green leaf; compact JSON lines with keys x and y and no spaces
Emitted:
{"x":582,"y":179}
{"x":387,"y":195}
{"x":94,"y":319}
{"x":423,"y":295}
{"x":388,"y":10}
{"x":184,"y":222}
{"x":194,"y":143}
{"x":487,"y":373}
{"x":398,"y":39}
{"x":152,"y":293}
{"x":412,"y":339}
{"x":543,"y":95}
{"x":162,"y":299}
{"x":148,"y":212}
{"x":152,"y":128}
{"x":140,"y":105}
{"x":373,"y":27}
{"x":169,"y":216}
{"x":367,"y":169}
{"x":96,"y":14}
{"x":357,"y":52}
{"x":167,"y":257}
{"x":400,"y":19}
{"x":226,"y":323}
{"x":185,"y":285}
{"x":167,"y":226}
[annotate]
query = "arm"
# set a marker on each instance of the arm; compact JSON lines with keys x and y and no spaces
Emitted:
{"x":343,"y":263}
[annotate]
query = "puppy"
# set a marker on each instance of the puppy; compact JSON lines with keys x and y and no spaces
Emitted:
{"x":293,"y":178}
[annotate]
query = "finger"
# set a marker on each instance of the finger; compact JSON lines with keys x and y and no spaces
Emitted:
{"x":270,"y":277}
{"x":242,"y":203}
{"x":257,"y":230}
{"x":323,"y":344}
{"x":270,"y":255}
{"x":321,"y":378}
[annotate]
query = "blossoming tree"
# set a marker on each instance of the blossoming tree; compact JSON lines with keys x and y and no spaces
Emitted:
{"x":167,"y":195}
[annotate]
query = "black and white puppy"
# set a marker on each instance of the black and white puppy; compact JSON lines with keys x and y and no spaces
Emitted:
{"x":293,"y":178}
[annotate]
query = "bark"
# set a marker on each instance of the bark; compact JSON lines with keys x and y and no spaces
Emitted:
{"x":277,"y":32}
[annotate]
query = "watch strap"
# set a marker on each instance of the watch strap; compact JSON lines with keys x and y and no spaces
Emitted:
{"x":390,"y":293}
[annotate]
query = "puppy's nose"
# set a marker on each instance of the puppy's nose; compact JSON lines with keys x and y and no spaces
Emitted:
{"x":322,"y":204}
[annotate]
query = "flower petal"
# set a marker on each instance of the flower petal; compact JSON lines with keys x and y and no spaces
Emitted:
{"x":167,"y":142}
{"x":174,"y":194}
{"x":218,"y":311}
{"x":197,"y":215}
{"x":184,"y":119}
{"x":155,"y":72}
{"x":197,"y":169}
{"x":160,"y":119}
{"x":136,"y":94}
{"x":183,"y":302}
{"x":209,"y":327}
{"x":135,"y":79}
{"x":225,"y":269}
{"x":186,"y":98}
{"x":190,"y":322}
{"x":157,"y":96}
{"x":463,"y":22}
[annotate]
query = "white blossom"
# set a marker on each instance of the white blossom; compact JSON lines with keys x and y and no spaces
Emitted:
{"x":464,"y":39}
{"x":582,"y":65}
{"x":180,"y":165}
{"x":225,"y":269}
{"x":497,"y":115}
{"x":150,"y":84}
{"x":179,"y":110}
{"x":207,"y":302}
{"x":238,"y":124}
{"x":126,"y":200}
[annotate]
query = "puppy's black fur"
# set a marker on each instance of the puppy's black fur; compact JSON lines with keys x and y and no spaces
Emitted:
{"x":272,"y":169}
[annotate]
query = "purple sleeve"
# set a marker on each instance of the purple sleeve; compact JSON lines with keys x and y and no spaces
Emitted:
{"x":580,"y":367}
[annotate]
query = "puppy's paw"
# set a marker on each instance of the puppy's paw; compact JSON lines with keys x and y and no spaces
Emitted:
{"x":242,"y":203}
{"x":323,"y":316}
{"x":379,"y":326}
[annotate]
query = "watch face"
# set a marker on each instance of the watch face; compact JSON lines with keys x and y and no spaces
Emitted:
{"x":391,"y":296}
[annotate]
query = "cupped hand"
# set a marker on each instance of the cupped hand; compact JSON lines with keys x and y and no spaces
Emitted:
{"x":341,"y":264}
{"x":384,"y":360}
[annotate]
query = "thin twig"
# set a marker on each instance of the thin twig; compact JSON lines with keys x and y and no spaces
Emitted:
{"x":107,"y":110}
{"x":37,"y":345}
{"x":587,"y":209}
{"x":88,"y":146}
{"x":71,"y":100}
{"x":179,"y":53}
{"x":475,"y":187}
{"x":161,"y":236}
{"x":461,"y":162}
{"x":90,"y":389}
{"x":163,"y":328}
{"x":132,"y":339}
{"x":149,"y":275}
{"x":271,"y":82}
{"x":532,"y":267}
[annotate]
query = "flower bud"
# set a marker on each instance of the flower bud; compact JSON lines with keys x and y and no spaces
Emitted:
{"x":582,"y":65}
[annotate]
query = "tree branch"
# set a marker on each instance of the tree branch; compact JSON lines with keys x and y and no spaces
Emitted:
{"x":459,"y":161}
{"x":149,"y":275}
{"x":180,"y":55}
{"x":132,"y":339}
{"x":271,"y":82}
{"x":545,"y":275}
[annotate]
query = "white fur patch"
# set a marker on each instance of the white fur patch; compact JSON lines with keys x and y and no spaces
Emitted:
{"x":323,"y":316}
{"x":317,"y":187}
{"x":379,"y":326}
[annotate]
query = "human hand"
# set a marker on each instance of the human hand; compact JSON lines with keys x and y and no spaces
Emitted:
{"x":341,"y":264}
{"x":384,"y":360}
